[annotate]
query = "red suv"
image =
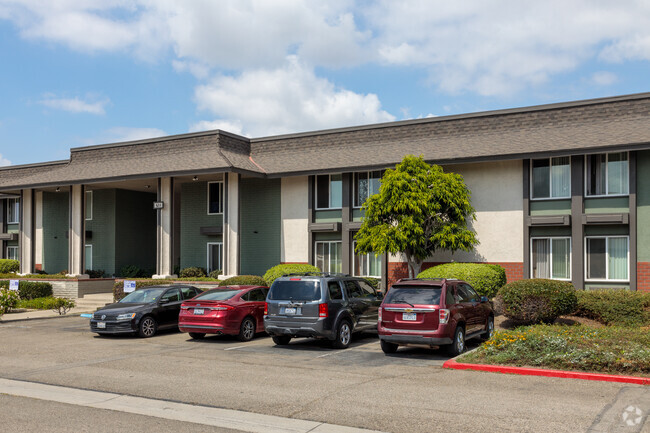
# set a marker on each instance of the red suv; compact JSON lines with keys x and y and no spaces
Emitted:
{"x":433,"y":312}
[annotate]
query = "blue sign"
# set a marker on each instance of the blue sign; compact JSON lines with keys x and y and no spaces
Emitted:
{"x":13,"y":285}
{"x":129,"y":286}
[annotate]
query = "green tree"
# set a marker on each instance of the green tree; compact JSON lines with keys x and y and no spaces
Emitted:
{"x":419,"y":210}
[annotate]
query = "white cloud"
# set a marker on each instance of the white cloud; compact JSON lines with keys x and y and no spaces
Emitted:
{"x":4,"y":161}
{"x":74,"y":105}
{"x":604,"y":78}
{"x":120,"y":133}
{"x":288,"y":99}
{"x":206,"y":125}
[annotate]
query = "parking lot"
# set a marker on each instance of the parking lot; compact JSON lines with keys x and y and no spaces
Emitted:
{"x":360,"y":386}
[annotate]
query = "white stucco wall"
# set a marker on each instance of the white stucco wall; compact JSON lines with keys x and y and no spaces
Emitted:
{"x":294,"y":235}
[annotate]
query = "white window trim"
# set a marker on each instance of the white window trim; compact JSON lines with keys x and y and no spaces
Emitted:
{"x":329,"y":190}
{"x":88,"y":265}
{"x":91,"y":205}
{"x":550,"y":181}
{"x":12,"y":247}
{"x":550,"y":238}
{"x":607,"y":279}
{"x":207,"y":262}
{"x":17,"y":213}
{"x":606,"y":176}
{"x":354,"y":192}
{"x":354,"y":262}
{"x":221,"y":204}
{"x":329,"y":251}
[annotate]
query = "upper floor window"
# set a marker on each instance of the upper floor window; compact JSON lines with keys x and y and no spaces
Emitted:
{"x":215,"y":198}
{"x":551,"y":178}
{"x":89,"y":206}
{"x":365,"y":185}
{"x":329,"y":191}
{"x":607,"y":174}
{"x":13,"y":210}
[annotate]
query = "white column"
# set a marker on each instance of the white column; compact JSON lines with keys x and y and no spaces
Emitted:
{"x":164,"y":234}
{"x":26,"y":235}
{"x":231,"y":226}
{"x":38,"y":229}
{"x":76,"y":235}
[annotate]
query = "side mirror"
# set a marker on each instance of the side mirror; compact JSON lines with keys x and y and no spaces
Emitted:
{"x":484,"y":299}
{"x":164,"y":301}
{"x":380,"y":295}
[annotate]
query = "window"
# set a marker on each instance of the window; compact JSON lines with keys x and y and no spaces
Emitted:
{"x":329,"y":191}
{"x":88,"y":251}
{"x":328,"y":256}
{"x":607,"y":258}
{"x":172,"y":295}
{"x":12,"y":253}
{"x":607,"y":174}
{"x":354,"y":291}
{"x":366,"y":289}
{"x":188,"y":292}
{"x":215,"y":198}
{"x":551,"y":178}
{"x":89,"y":205}
{"x":366,"y":265}
{"x":13,"y":211}
{"x":215,"y":256}
{"x":365,"y":185}
{"x":335,"y":290}
{"x":551,"y":258}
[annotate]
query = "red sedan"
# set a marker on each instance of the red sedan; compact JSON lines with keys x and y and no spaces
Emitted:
{"x":230,"y":310}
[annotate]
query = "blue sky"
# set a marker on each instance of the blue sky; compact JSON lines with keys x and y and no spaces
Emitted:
{"x":81,"y":73}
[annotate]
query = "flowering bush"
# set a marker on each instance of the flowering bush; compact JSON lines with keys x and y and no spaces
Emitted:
{"x":8,"y":300}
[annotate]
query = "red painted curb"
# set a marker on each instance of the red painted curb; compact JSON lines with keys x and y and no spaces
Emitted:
{"x":546,"y":373}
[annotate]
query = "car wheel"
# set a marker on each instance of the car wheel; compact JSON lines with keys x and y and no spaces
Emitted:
{"x":246,"y":330}
{"x":148,"y":327}
{"x":489,"y":329}
{"x":197,"y":335}
{"x":343,"y":335}
{"x":388,"y":347}
{"x":281,"y":340}
{"x":458,"y":346}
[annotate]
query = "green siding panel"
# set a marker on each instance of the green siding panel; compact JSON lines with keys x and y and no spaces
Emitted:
{"x":607,"y":205}
{"x":550,"y":207}
{"x":607,"y":230}
{"x":55,"y":228}
{"x":358,"y":214}
{"x":327,"y":236}
{"x":643,"y":205}
{"x":259,"y":225}
{"x":194,"y":215}
{"x":135,"y":230}
{"x":102,"y":228}
{"x":327,"y":216}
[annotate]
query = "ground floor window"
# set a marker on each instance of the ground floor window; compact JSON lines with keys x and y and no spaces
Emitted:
{"x":215,"y":256}
{"x":328,"y":256}
{"x":88,"y":250}
{"x":12,"y":253}
{"x":551,"y":258}
{"x":366,"y":265}
{"x":607,"y":258}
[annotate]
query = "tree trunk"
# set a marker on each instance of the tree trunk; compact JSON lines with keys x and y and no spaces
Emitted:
{"x":414,"y":267}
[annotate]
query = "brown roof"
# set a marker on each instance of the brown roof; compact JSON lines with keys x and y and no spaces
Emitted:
{"x":567,"y":128}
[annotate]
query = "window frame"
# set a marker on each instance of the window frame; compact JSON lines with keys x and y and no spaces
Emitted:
{"x":329,"y":250}
{"x":16,"y":208}
{"x":91,"y":201}
{"x":208,"y":256}
{"x":586,"y":177}
{"x":329,"y":192}
{"x":221,"y":197}
{"x":550,"y":179}
{"x":354,"y":263}
{"x":86,"y":246}
{"x":606,"y":279}
{"x":355,"y":192}
{"x":12,"y":247}
{"x":550,"y":240}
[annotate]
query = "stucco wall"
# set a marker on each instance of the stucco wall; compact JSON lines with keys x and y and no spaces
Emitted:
{"x":294,"y":243}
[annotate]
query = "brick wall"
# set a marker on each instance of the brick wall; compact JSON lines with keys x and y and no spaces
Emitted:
{"x":643,"y":276}
{"x":514,"y":270}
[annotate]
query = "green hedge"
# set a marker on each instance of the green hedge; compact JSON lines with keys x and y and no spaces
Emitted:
{"x":536,"y":300}
{"x":193,"y":272}
{"x":279,"y":270}
{"x":486,"y":279}
{"x":243,"y":280}
{"x":30,"y":289}
{"x":615,"y":307}
{"x":118,"y":287}
{"x":8,"y":266}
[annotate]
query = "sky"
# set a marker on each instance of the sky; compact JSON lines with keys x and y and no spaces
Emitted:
{"x":77,"y":73}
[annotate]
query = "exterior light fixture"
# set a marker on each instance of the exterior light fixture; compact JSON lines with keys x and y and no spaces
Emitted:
{"x":147,"y":186}
{"x":195,"y":178}
{"x":58,"y":189}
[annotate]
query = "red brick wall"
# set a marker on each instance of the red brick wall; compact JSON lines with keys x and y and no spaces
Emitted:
{"x":514,"y":270}
{"x":643,"y":276}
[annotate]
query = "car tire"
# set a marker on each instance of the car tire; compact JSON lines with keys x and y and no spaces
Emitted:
{"x":246,"y":329}
{"x":148,"y":327}
{"x":197,"y":335}
{"x":388,"y":347}
{"x":343,"y":335}
{"x":489,"y":329}
{"x":458,"y":346}
{"x":281,"y":340}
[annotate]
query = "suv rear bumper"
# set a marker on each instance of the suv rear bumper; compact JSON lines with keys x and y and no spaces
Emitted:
{"x":317,"y":329}
{"x":416,"y":339}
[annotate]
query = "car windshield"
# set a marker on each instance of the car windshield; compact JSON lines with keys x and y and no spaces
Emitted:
{"x":217,"y":295}
{"x":302,"y":290}
{"x":413,"y":295}
{"x":143,"y":296}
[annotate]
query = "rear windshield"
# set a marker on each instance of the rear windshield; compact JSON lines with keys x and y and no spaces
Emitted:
{"x":303,"y":290}
{"x":217,"y":295}
{"x":413,"y":295}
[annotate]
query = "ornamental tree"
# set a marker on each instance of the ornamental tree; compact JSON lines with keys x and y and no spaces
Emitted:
{"x":419,"y":210}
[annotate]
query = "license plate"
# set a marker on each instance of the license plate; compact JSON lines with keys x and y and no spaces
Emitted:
{"x":289,"y":310}
{"x":101,"y":325}
{"x":198,"y":311}
{"x":409,"y":316}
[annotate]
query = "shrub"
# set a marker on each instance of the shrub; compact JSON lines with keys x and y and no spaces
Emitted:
{"x":133,"y":271}
{"x":486,"y":279}
{"x":193,"y":272}
{"x":215,"y":274}
{"x":243,"y":280}
{"x":30,"y":289}
{"x":279,"y":270}
{"x":537,"y":300}
{"x":45,"y":303}
{"x":8,"y":300}
{"x":95,"y":273}
{"x":374,"y":282}
{"x":615,"y":307}
{"x":62,"y":305}
{"x":8,"y":266}
{"x":118,"y":287}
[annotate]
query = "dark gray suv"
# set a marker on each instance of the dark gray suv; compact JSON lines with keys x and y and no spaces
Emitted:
{"x":320,"y":305}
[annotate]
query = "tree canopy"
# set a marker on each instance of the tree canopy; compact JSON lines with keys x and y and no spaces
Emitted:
{"x":419,"y":210}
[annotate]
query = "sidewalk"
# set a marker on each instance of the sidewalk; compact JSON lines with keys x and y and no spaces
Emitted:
{"x":87,"y":304}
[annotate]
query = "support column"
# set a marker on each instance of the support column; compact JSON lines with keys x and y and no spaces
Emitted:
{"x":577,"y":229}
{"x":164,"y":233}
{"x":26,"y":232}
{"x":38,"y":231}
{"x":526,"y":206}
{"x":231,"y":225}
{"x":3,"y":227}
{"x":633,"y":224}
{"x":76,"y":233}
{"x":346,"y":243}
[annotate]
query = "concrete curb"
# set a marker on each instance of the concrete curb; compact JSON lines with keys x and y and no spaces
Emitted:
{"x":525,"y":371}
{"x":55,"y":316}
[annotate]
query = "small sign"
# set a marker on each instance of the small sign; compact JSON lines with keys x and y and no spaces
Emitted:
{"x":129,"y":286}
{"x":13,"y":285}
{"x":158,"y":204}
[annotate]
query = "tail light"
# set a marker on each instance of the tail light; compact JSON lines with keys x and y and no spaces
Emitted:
{"x":223,"y":307}
{"x":380,"y":310}
{"x":266,"y":308}
{"x":322,"y":310}
{"x":444,"y":315}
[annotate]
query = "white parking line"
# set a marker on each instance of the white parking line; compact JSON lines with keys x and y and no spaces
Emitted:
{"x":235,"y":348}
{"x":327,"y":354}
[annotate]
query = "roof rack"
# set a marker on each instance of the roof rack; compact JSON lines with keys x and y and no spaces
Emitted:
{"x":442,"y":280}
{"x":316,"y":274}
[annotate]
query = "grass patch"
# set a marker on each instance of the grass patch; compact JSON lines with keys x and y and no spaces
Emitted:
{"x":613,"y":350}
{"x":45,"y":303}
{"x":36,"y":276}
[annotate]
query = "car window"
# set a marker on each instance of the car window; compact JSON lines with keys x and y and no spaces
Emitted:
{"x":188,"y":292}
{"x":335,"y":290}
{"x":473,"y":296}
{"x":298,"y":290}
{"x":143,"y":296}
{"x":354,"y":291}
{"x":256,"y":295}
{"x":172,"y":295}
{"x":463,"y":294}
{"x":450,"y":298}
{"x":366,"y":289}
{"x":217,"y":295}
{"x":413,"y":295}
